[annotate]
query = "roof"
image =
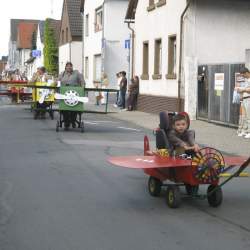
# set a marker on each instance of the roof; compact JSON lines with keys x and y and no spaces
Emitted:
{"x":55,"y":25}
{"x":24,"y":35}
{"x":14,"y":25}
{"x":75,"y":18}
{"x":131,"y":10}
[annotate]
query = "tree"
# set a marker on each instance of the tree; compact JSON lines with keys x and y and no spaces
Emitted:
{"x":50,"y":49}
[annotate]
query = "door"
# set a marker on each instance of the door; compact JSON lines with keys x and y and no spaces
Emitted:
{"x":202,"y":109}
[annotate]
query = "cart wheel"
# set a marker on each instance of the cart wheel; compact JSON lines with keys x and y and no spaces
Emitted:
{"x":82,"y":127}
{"x":173,"y":196}
{"x":214,"y":199}
{"x":57,"y":126}
{"x":35,"y":115}
{"x":191,"y":190}
{"x":154,"y":186}
{"x":51,"y":114}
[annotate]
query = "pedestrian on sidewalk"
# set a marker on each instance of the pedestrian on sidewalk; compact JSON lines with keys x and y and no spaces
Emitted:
{"x":244,"y":90}
{"x":133,"y":92}
{"x":123,"y":90}
{"x":104,"y":85}
{"x":118,"y":94}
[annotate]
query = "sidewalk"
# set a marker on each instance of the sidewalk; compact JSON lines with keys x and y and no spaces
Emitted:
{"x":219,"y":137}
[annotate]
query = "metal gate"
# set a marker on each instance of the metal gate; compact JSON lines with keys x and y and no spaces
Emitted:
{"x":215,"y":93}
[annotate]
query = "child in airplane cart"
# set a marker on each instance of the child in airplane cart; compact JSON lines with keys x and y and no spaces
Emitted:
{"x":181,"y":138}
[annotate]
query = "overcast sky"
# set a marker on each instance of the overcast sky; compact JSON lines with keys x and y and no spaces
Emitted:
{"x":24,"y":9}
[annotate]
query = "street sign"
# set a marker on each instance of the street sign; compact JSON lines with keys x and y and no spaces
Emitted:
{"x":36,"y":53}
{"x":127,"y":44}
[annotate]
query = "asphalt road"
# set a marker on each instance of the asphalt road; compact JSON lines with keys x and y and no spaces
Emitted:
{"x":57,"y":192}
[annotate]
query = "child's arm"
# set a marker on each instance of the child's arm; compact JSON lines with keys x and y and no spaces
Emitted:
{"x":191,"y":141}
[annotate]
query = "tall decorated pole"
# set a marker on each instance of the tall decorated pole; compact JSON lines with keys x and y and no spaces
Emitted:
{"x":50,"y":49}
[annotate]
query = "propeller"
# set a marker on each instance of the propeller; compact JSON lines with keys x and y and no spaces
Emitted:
{"x":71,"y":98}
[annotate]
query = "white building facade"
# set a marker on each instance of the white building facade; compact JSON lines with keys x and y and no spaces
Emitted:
{"x":105,"y":36}
{"x":167,"y":59}
{"x":70,"y":45}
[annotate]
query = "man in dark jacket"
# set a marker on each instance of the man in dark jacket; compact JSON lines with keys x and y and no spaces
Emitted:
{"x":123,"y":90}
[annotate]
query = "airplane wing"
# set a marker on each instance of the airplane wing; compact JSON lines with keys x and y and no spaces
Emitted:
{"x":78,"y":98}
{"x":146,"y":162}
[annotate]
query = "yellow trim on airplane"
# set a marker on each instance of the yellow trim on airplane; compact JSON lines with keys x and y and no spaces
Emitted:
{"x":229,"y":175}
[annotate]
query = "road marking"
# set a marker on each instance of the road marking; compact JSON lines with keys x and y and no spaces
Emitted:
{"x":106,"y":121}
{"x":93,"y":123}
{"x":133,"y":129}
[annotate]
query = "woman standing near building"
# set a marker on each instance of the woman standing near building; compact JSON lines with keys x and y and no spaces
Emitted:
{"x":133,"y":93}
{"x":104,"y":85}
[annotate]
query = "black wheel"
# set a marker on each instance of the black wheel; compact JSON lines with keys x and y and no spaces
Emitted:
{"x":57,"y":126}
{"x":214,"y":199}
{"x":82,"y":127}
{"x":173,"y":196}
{"x":51,"y":114}
{"x":35,"y":115}
{"x":191,"y":190}
{"x":154,"y":186}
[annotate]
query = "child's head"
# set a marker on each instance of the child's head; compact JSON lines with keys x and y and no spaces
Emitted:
{"x":180,"y":124}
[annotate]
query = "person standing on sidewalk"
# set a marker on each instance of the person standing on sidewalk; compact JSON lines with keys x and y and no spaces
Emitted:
{"x":123,"y":90}
{"x":133,"y":91}
{"x":245,"y":92}
{"x":104,"y":85}
{"x":118,"y":76}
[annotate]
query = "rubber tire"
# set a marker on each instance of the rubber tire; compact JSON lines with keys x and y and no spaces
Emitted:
{"x":154,"y":186}
{"x":215,"y":199}
{"x":191,"y":190}
{"x":51,"y":114}
{"x":57,"y":126}
{"x":173,"y":196}
{"x":35,"y":115}
{"x":82,"y":127}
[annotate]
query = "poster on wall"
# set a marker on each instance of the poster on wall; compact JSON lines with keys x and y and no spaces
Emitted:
{"x":219,"y":81}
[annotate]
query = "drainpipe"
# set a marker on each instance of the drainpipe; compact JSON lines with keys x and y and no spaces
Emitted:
{"x":181,"y":52}
{"x":103,"y":41}
{"x":133,"y":49}
{"x":70,"y":51}
{"x":83,"y":58}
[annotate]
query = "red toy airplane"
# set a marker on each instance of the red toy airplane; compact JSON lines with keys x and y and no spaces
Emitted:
{"x":206,"y":167}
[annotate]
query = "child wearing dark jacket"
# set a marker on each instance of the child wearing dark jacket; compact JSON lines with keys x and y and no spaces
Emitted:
{"x":181,"y":138}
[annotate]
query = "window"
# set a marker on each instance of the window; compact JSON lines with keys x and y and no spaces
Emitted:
{"x":86,"y":68}
{"x":151,"y":5}
{"x":67,"y":35}
{"x":97,"y":67}
{"x":171,"y":57}
{"x":63,"y":37}
{"x":98,"y":19}
{"x":145,"y":62}
{"x":158,"y":60}
{"x":87,"y":25}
